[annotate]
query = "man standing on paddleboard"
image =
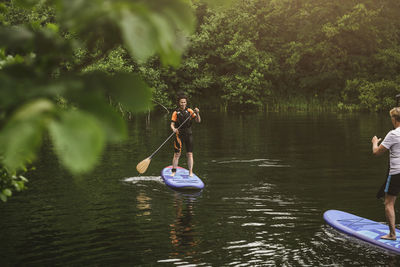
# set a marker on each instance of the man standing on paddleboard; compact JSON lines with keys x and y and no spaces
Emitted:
{"x":184,"y":134}
{"x":392,"y":188}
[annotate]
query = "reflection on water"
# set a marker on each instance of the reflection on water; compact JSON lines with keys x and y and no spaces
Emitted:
{"x":266,"y":191}
{"x":272,"y":217}
{"x":183,"y":235}
{"x":143,"y":204}
{"x":182,"y":229}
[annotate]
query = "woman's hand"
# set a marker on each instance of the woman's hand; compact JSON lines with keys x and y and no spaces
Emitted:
{"x":375,"y":140}
{"x":377,"y":150}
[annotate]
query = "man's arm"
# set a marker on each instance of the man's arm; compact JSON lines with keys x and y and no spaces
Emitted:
{"x":197,"y":111}
{"x":377,"y":150}
{"x":173,"y":120}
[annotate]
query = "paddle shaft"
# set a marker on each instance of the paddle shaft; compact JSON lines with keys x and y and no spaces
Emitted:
{"x":169,"y":137}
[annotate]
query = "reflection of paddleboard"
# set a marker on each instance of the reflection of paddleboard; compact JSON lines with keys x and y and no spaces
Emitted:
{"x":181,"y":179}
{"x":362,"y":228}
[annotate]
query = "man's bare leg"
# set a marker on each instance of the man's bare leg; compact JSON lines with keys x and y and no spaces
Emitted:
{"x":175,"y":162}
{"x":390,"y":216}
{"x":190,"y":163}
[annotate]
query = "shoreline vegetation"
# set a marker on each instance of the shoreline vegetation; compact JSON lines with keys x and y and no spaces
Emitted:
{"x":282,"y":55}
{"x":294,"y":104}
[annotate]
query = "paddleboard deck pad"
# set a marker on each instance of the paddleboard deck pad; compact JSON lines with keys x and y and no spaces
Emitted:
{"x":361,"y":228}
{"x":181,"y":179}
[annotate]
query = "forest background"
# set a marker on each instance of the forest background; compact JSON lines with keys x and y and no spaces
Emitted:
{"x":274,"y":55}
{"x":69,"y":69}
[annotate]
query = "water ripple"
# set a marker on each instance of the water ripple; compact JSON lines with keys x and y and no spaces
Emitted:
{"x":138,"y":179}
{"x":259,"y":162}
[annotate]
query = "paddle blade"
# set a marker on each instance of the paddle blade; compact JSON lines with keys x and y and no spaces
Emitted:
{"x":143,"y":165}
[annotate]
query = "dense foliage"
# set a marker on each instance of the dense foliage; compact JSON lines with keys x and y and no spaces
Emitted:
{"x":267,"y":54}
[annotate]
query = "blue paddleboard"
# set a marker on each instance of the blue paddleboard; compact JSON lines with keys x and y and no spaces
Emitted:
{"x":181,"y":179}
{"x":361,"y":228}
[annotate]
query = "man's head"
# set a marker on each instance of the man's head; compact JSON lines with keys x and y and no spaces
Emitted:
{"x":395,"y":114}
{"x":182,"y":101}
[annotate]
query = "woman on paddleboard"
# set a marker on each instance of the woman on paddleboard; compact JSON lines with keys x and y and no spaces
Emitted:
{"x":183,"y":135}
{"x":392,"y":188}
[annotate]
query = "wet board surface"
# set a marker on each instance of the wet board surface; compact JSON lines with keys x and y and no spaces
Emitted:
{"x":181,"y":180}
{"x":362,"y":228}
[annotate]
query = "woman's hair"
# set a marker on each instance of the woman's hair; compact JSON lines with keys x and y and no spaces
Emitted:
{"x":395,"y":113}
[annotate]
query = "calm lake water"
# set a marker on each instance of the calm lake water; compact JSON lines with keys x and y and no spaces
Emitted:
{"x":268,"y":179}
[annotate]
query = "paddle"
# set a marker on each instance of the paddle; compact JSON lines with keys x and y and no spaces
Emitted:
{"x":144,"y":164}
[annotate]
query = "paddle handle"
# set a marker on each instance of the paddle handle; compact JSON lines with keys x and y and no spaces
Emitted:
{"x":169,"y":137}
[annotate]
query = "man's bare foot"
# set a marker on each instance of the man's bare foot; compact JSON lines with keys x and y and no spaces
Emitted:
{"x":191,"y":174}
{"x":173,"y":174}
{"x":388,"y":237}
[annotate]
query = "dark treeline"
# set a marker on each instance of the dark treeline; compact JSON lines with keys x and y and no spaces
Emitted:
{"x":269,"y":54}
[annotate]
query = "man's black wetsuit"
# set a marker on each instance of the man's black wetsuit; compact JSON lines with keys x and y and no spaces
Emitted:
{"x":185,"y":132}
